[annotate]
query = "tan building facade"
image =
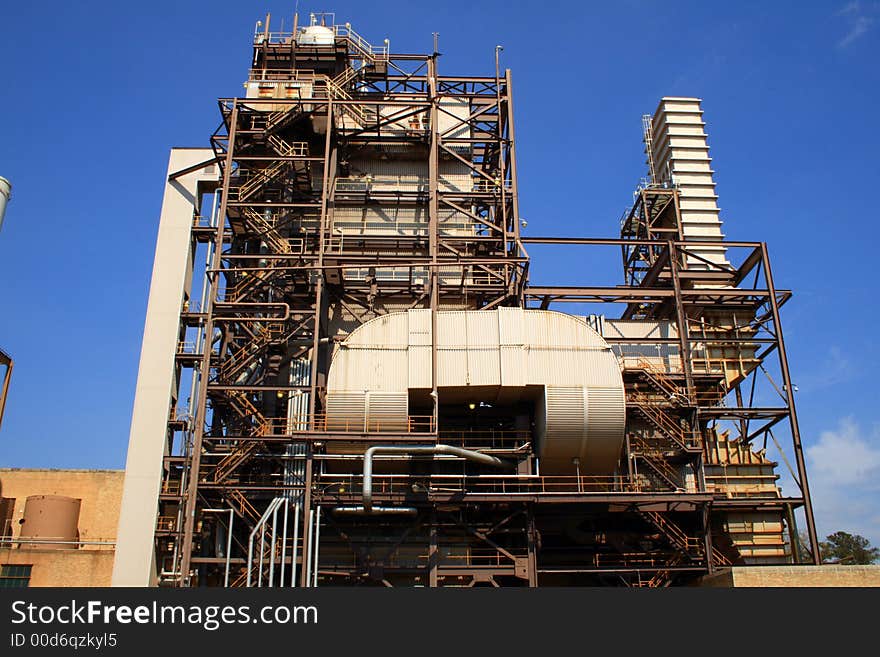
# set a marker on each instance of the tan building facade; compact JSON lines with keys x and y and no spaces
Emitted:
{"x":58,"y":526}
{"x":795,"y":576}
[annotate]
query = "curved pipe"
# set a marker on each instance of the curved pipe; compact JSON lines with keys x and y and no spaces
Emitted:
{"x":388,"y":510}
{"x":476,"y":457}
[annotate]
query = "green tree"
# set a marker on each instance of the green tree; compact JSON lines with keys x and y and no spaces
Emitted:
{"x":847,"y":549}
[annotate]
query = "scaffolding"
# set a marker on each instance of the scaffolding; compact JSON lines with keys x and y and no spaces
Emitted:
{"x":356,"y":183}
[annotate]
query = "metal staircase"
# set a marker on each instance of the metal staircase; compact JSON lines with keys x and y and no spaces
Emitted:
{"x":685,"y":439}
{"x":690,"y":546}
{"x":653,"y":456}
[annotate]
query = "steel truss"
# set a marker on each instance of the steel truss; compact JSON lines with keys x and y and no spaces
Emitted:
{"x":286,"y":278}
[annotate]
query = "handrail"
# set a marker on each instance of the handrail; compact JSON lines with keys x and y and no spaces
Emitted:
{"x":321,"y":422}
{"x":400,"y":485}
{"x":674,"y":431}
{"x":654,"y":458}
{"x":361,"y":44}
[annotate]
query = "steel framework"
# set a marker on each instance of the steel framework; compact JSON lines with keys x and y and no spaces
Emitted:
{"x":296,"y":257}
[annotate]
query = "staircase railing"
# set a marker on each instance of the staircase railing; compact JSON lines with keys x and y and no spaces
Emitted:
{"x":653,"y":456}
{"x":688,"y":544}
{"x":361,"y":45}
{"x":685,"y":439}
{"x":661,"y":381}
{"x":267,"y":231}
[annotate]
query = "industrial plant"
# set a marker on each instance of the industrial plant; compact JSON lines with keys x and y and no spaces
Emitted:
{"x":351,"y":376}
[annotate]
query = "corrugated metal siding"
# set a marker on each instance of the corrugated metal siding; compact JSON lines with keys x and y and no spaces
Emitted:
{"x":507,"y":348}
{"x":605,"y":426}
{"x":545,"y":348}
{"x":419,"y":322}
{"x":565,"y":429}
{"x":345,"y":410}
{"x":387,"y":411}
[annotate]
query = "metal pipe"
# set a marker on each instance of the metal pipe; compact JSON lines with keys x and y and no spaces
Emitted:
{"x":48,"y":541}
{"x":228,"y":539}
{"x":253,"y":533}
{"x":308,"y":564}
{"x":470,"y":455}
{"x":283,"y":543}
{"x":262,"y":551}
{"x":389,"y":510}
{"x":317,"y":545}
{"x":295,"y":546}
{"x":272,"y":546}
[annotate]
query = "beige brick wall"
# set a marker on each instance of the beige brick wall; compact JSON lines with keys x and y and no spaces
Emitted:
{"x":63,"y":567}
{"x":99,"y":490}
{"x":789,"y":576}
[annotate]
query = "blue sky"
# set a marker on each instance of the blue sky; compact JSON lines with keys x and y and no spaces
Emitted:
{"x":95,"y":93}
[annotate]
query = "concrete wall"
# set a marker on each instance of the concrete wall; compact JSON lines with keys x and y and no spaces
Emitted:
{"x":156,"y":379}
{"x":793,"y":576}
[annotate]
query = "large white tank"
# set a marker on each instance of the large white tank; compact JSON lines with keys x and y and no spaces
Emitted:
{"x":315,"y":35}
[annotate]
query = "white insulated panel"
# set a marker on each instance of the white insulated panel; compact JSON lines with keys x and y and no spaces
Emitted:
{"x":681,"y":156}
{"x":508,"y":348}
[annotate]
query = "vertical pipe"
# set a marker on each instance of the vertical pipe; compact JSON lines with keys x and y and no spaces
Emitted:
{"x":272,"y":547}
{"x":250,"y":559}
{"x":228,"y":547}
{"x":295,"y":553}
{"x":308,"y":538}
{"x":307,"y":509}
{"x":514,"y":185}
{"x":629,"y":458}
{"x":317,"y":545}
{"x":284,"y":543}
{"x":262,"y":551}
{"x":260,"y":525}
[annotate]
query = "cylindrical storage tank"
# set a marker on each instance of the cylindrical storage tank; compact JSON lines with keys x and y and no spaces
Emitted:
{"x":315,"y":35}
{"x":50,"y":518}
{"x":5,"y":192}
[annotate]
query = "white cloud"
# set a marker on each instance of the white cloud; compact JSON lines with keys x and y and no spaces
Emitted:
{"x":844,"y":475}
{"x":843,"y":457}
{"x":860,"y":22}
